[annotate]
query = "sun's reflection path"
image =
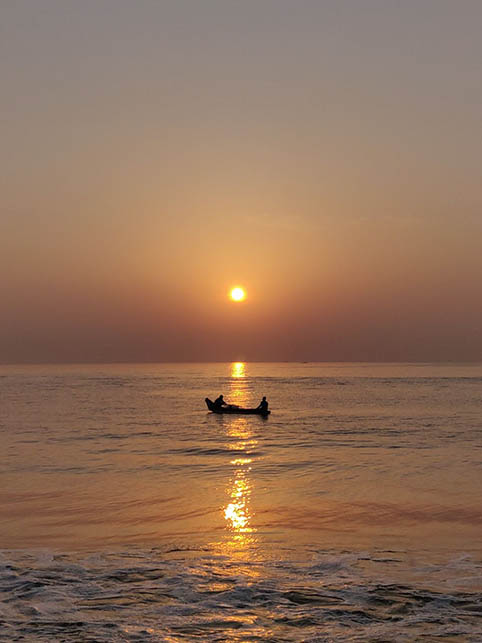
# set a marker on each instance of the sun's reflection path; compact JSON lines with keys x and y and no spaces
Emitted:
{"x":240,"y":547}
{"x":241,"y":543}
{"x":237,"y":512}
{"x":237,"y":553}
{"x":239,"y":384}
{"x":238,"y":369}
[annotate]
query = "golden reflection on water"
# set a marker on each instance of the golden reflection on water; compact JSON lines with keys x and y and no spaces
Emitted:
{"x":238,"y":385}
{"x":241,"y":544}
{"x":238,"y":369}
{"x":237,"y":512}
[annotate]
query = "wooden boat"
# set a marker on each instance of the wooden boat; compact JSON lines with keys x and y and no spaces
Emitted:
{"x":234,"y":409}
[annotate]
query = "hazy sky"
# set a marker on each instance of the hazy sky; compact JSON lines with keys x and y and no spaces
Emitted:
{"x":326,"y":155}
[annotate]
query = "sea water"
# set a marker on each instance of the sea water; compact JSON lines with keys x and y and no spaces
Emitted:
{"x":352,"y":513}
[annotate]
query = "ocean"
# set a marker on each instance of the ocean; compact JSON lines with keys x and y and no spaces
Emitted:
{"x":352,"y":513}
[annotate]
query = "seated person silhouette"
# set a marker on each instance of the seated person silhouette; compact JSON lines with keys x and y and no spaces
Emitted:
{"x":263,"y":405}
{"x":219,"y":402}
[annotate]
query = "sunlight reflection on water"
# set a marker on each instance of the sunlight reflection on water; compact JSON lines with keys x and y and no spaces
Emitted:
{"x":237,"y":512}
{"x":238,"y":369}
{"x":241,"y":544}
{"x":238,"y":384}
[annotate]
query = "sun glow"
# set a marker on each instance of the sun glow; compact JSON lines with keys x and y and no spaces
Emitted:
{"x":238,"y":370}
{"x":237,"y":294}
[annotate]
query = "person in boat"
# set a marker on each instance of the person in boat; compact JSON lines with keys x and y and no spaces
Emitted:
{"x":219,"y":402}
{"x":263,"y":405}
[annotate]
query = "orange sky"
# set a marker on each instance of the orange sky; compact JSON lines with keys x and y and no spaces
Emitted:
{"x":325,"y":155}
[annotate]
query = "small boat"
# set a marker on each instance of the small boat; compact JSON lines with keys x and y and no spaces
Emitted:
{"x":234,"y":409}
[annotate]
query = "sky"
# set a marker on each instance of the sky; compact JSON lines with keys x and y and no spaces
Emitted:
{"x":324,"y":154}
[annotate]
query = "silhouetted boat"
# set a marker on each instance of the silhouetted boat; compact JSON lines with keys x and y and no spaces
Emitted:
{"x":234,"y":409}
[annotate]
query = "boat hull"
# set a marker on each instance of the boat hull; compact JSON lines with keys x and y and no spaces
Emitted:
{"x":238,"y":410}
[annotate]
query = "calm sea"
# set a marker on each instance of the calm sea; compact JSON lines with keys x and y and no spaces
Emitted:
{"x":352,"y":513}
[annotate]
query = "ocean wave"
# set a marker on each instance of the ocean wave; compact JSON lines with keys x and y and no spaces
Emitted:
{"x":174,"y":593}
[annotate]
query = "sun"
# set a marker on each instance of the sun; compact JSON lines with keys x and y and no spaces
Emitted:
{"x":237,"y":294}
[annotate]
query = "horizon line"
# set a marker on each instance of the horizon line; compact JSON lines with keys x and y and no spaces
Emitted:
{"x":234,"y":361}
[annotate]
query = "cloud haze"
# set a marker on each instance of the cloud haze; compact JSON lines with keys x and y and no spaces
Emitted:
{"x":325,"y":155}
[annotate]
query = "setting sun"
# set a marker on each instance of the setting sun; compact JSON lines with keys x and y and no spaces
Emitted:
{"x":237,"y":294}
